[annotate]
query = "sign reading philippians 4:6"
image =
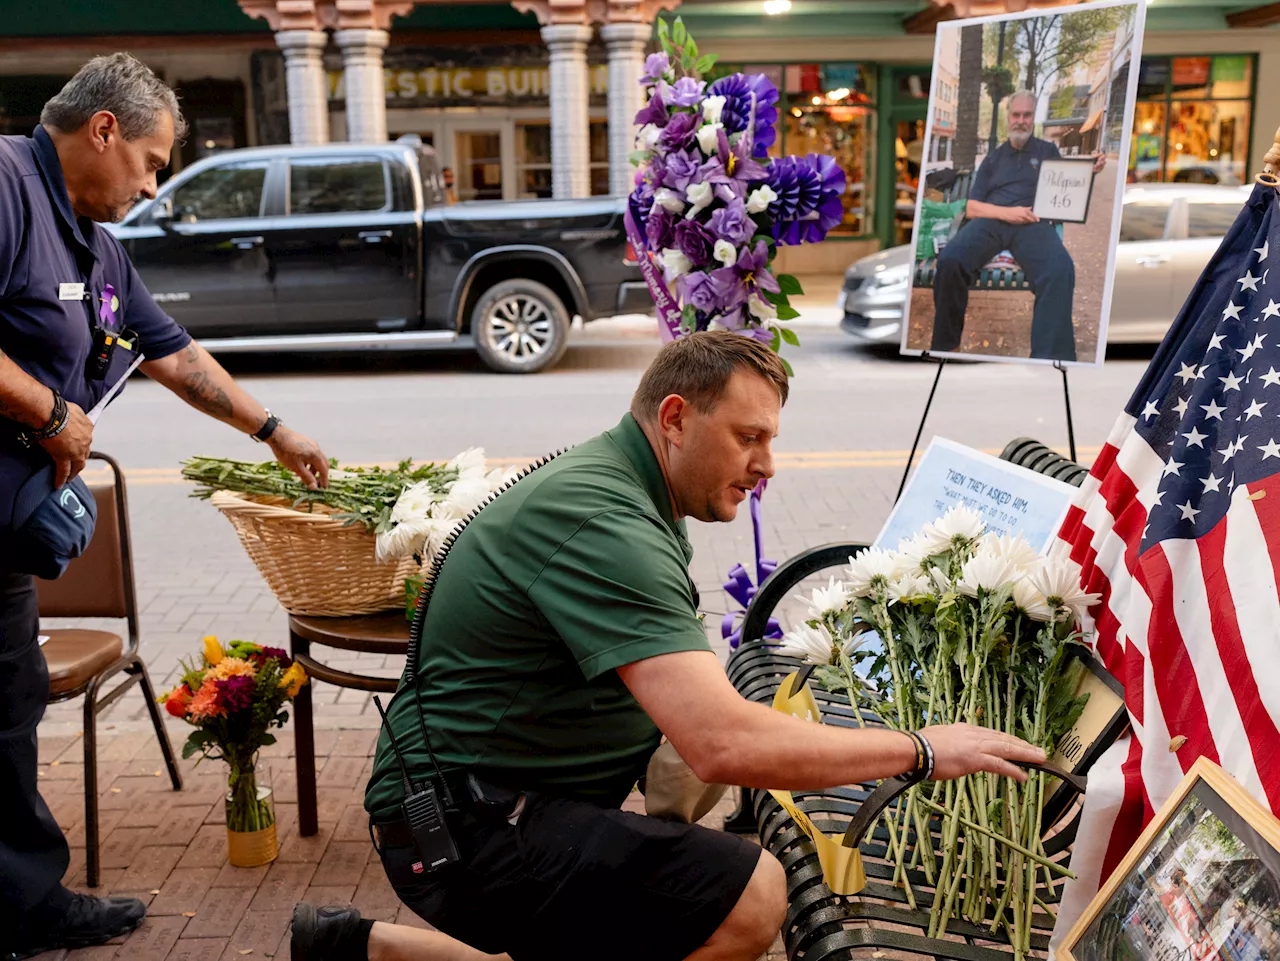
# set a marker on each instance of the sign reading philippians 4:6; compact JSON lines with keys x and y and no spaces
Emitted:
{"x":1064,"y":189}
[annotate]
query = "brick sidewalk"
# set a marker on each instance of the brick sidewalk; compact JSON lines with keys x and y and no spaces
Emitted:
{"x":169,"y":848}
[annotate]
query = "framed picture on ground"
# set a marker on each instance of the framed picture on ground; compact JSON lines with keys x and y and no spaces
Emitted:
{"x":1202,"y":882}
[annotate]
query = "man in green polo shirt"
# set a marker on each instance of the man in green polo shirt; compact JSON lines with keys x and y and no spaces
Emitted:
{"x":561,"y":638}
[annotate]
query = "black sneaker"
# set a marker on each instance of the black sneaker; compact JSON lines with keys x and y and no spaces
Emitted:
{"x":87,"y":921}
{"x":326,"y":934}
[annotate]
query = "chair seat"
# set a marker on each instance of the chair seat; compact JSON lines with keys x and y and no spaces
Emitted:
{"x":76,"y":656}
{"x":386,"y":633}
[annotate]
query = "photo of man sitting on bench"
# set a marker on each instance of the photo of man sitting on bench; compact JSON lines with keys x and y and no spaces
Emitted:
{"x":1000,"y":218}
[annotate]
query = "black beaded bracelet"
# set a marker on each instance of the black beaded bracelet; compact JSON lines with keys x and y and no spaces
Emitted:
{"x":923,"y":769}
{"x":57,"y":420}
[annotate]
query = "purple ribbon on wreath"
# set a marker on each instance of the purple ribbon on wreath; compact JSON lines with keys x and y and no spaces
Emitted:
{"x":739,"y":585}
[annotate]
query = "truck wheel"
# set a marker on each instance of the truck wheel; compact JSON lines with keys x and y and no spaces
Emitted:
{"x":520,"y":327}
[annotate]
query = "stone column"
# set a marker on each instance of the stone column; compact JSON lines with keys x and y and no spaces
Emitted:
{"x":305,"y":83}
{"x":362,"y":77}
{"x":626,"y":44}
{"x":570,"y":129}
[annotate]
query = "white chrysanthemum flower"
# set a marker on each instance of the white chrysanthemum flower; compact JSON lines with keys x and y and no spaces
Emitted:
{"x":941,"y":583}
{"x":470,"y":463}
{"x":437,"y":535}
{"x":415,"y":502}
{"x":759,"y":199}
{"x":1013,"y":547}
{"x":464,"y":496}
{"x":498,"y":477}
{"x":872,"y":569}
{"x":709,"y":138}
{"x":958,"y":527}
{"x":1058,"y":579}
{"x":986,"y":571}
{"x":1028,"y":599}
{"x":813,"y":645}
{"x":404,"y":540}
{"x":670,"y":199}
{"x":712,"y":108}
{"x":833,"y":598}
{"x":909,"y":586}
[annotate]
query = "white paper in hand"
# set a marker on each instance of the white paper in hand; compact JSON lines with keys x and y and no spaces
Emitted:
{"x":101,"y":405}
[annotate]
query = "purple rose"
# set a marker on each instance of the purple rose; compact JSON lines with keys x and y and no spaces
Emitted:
{"x":731,"y":223}
{"x":701,"y":292}
{"x":680,"y":169}
{"x":655,"y":67}
{"x":660,"y":230}
{"x":686,"y":92}
{"x":695,"y":241}
{"x":678,"y":133}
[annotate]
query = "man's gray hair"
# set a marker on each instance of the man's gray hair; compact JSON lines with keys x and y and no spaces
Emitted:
{"x":1023,"y":95}
{"x":121,"y":84}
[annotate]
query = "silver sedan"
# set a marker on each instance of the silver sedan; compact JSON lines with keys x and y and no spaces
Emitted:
{"x":1167,"y":234}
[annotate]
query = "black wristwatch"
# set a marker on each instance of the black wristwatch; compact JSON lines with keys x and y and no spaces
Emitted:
{"x":267,"y":429}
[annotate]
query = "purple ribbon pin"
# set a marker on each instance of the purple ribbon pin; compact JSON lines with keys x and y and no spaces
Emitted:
{"x":739,"y":585}
{"x":107,"y":313}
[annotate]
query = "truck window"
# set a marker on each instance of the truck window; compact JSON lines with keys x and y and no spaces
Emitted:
{"x":1212,"y":220}
{"x":1143,"y":221}
{"x":328,"y":185}
{"x":227,"y":192}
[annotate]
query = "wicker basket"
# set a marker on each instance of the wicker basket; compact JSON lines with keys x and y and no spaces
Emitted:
{"x":314,"y":563}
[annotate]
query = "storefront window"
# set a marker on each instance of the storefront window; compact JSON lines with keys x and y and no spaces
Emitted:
{"x":533,"y":159}
{"x":1194,"y":120}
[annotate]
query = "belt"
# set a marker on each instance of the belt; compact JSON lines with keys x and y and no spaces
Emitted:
{"x":493,"y":802}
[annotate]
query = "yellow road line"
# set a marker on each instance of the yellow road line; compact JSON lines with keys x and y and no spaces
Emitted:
{"x":783,"y":460}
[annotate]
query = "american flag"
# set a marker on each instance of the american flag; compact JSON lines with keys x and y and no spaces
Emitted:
{"x":1178,"y":528}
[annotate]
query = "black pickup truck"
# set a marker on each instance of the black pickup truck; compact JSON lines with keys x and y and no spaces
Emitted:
{"x":351,"y":246}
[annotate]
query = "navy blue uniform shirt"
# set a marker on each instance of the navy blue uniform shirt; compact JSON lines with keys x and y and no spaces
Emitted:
{"x":42,"y":246}
{"x":1007,"y":178}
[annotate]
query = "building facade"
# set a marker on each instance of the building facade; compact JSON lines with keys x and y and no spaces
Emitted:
{"x":537,"y":101}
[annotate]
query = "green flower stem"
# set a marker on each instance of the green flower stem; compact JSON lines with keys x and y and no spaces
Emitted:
{"x":1012,"y":845}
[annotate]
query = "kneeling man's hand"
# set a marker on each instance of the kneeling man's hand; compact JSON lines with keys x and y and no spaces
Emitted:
{"x":1021,"y":215}
{"x":960,"y":749}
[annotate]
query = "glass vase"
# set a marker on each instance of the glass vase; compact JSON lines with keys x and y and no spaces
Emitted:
{"x":251,"y":813}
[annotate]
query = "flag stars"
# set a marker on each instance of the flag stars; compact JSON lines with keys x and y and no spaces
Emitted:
{"x":1251,"y":348}
{"x":1231,"y":382}
{"x":1172,"y":467}
{"x":1232,"y":311}
{"x":1270,"y":449}
{"x":1271,"y":310}
{"x":1195,"y":438}
{"x":1254,"y":410}
{"x":1233,"y":448}
{"x":1188,"y":512}
{"x":1187,"y":373}
{"x":1271,"y":377}
{"x":1215,"y":342}
{"x":1263,"y":251}
{"x":1248,"y":281}
{"x":1151,"y":410}
{"x":1159,"y":498}
{"x":1213,"y":412}
{"x":1181,"y":406}
{"x":1211,"y":483}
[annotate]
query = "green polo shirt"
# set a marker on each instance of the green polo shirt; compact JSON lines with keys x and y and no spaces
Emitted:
{"x":577,"y":570}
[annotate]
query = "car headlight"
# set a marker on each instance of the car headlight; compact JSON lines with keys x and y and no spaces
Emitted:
{"x":892,"y":276}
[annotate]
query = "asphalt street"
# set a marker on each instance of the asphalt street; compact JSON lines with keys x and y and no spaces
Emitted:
{"x":843,"y":444}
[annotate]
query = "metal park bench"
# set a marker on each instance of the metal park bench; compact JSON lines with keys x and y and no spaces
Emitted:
{"x":821,"y":925}
{"x":995,"y":275}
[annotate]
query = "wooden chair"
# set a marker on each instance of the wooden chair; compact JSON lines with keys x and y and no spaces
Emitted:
{"x":386,"y":633}
{"x":99,"y":583}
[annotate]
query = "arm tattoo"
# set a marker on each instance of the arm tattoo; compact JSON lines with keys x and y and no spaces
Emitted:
{"x":191,"y":353}
{"x":207,"y":396}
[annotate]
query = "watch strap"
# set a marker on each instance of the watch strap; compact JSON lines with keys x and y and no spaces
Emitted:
{"x":264,"y":433}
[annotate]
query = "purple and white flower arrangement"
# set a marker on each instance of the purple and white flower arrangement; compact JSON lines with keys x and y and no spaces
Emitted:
{"x":710,"y":207}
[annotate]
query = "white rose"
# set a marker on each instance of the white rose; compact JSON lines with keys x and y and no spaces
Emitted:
{"x":712,"y":108}
{"x":760,"y":198}
{"x":648,"y":136}
{"x":763,"y":310}
{"x":675,"y":263}
{"x":709,"y":138}
{"x":725,"y":252}
{"x":700,"y":196}
{"x":668,"y":198}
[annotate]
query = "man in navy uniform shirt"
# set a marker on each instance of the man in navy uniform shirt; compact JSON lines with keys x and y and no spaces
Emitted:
{"x":1000,"y":218}
{"x":101,"y":141}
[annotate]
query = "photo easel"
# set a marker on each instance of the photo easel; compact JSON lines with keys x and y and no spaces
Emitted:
{"x":942,"y":362}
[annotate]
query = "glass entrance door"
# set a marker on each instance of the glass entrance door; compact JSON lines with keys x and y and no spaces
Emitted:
{"x":478,"y":164}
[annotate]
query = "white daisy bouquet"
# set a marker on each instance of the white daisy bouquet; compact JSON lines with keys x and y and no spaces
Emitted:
{"x":977,"y":628}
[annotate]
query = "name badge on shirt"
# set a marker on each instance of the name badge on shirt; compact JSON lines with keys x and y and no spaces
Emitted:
{"x":71,"y":291}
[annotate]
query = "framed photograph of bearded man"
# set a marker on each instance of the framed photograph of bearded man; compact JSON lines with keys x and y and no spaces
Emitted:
{"x":1021,"y":185}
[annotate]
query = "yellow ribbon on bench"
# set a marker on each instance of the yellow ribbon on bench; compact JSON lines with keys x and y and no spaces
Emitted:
{"x":841,"y":866}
